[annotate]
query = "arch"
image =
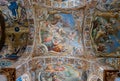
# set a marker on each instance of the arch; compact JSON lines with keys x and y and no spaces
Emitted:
{"x":94,"y":77}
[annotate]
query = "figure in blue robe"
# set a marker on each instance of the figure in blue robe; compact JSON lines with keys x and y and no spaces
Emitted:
{"x":13,"y":8}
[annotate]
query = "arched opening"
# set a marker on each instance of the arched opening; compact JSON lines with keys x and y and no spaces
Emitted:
{"x":99,"y":79}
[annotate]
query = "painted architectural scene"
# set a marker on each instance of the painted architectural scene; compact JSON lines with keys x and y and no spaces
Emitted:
{"x":59,"y":40}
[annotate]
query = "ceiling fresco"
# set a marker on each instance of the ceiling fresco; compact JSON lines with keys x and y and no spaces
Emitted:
{"x":63,"y":69}
{"x":60,"y":73}
{"x":59,"y":40}
{"x":105,"y":31}
{"x":16,"y":28}
{"x":108,"y":5}
{"x":61,"y":34}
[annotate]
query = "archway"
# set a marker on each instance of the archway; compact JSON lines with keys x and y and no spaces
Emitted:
{"x":94,"y":78}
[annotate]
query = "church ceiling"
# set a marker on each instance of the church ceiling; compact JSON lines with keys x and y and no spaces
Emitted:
{"x":63,"y":39}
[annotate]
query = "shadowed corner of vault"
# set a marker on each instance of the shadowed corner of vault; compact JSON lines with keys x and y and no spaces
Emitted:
{"x":7,"y":74}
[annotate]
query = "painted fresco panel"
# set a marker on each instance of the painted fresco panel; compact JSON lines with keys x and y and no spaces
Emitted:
{"x":59,"y":73}
{"x":61,"y":32}
{"x":16,"y":27}
{"x":105,"y":31}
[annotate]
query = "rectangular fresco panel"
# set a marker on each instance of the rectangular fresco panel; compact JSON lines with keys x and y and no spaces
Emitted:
{"x":59,"y":72}
{"x":61,"y":32}
{"x":105,"y":33}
